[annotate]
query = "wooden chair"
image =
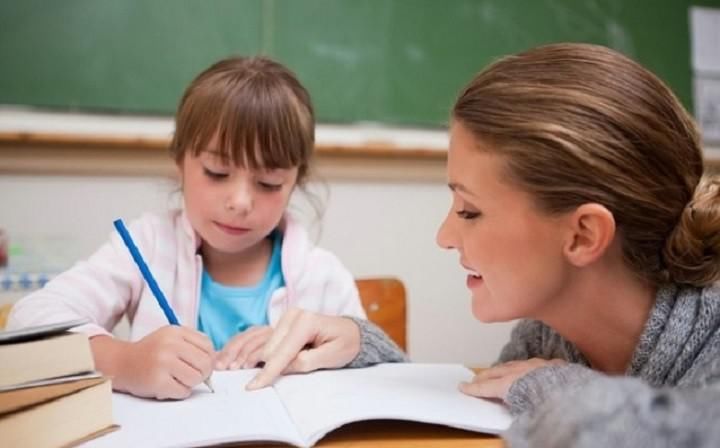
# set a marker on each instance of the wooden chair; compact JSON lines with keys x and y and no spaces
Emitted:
{"x":384,"y":301}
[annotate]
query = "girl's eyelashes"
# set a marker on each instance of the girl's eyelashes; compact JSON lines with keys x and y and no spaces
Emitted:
{"x":466,"y":214}
{"x":215,"y":175}
{"x":267,"y":186}
{"x":263,"y":185}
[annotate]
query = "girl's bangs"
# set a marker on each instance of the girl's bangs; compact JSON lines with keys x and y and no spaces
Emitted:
{"x":260,"y":129}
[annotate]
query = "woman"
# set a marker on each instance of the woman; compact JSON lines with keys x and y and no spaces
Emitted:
{"x":580,"y":206}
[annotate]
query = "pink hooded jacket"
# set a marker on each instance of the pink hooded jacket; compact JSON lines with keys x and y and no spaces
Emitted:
{"x":109,"y":285}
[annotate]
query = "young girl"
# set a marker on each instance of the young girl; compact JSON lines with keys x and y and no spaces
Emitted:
{"x":580,"y":204}
{"x":230,"y":262}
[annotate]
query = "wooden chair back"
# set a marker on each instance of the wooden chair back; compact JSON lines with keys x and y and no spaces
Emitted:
{"x":384,"y":301}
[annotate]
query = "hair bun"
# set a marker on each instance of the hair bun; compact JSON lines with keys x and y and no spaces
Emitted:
{"x":692,"y":252}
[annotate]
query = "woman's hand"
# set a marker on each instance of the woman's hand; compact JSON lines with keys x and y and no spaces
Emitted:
{"x":244,"y":350}
{"x":495,"y":382}
{"x":304,"y":341}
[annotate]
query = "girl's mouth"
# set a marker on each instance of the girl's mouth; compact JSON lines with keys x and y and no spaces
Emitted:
{"x":231,"y":229}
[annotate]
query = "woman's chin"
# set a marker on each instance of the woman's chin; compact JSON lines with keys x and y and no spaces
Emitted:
{"x":484,"y":314}
{"x":483,"y":311}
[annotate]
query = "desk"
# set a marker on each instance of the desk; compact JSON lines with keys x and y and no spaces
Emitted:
{"x":398,"y":434}
{"x":393,"y":434}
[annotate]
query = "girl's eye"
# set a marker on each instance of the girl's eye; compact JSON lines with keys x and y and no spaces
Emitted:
{"x":270,"y":187}
{"x":465,"y":214}
{"x":214,"y":174}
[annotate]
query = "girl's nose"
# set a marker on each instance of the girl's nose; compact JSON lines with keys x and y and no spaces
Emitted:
{"x":240,"y":201}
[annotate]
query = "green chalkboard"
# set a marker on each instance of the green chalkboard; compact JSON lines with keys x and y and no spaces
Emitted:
{"x":391,"y":61}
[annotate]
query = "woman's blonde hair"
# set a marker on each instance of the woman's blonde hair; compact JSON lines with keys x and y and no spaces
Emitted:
{"x":582,"y":123}
{"x":261,"y":114}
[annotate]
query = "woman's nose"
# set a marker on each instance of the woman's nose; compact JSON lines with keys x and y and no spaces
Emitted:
{"x":445,"y":237}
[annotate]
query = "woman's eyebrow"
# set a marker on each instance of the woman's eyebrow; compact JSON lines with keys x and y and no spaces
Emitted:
{"x":454,"y":186}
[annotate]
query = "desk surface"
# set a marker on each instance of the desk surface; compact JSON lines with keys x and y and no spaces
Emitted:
{"x":394,"y":434}
{"x":399,"y":434}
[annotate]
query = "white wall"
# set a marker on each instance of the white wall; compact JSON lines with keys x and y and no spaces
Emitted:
{"x":375,"y":227}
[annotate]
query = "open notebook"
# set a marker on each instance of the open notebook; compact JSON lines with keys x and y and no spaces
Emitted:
{"x":301,"y":409}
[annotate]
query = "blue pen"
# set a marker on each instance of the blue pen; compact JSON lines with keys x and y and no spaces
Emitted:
{"x":147,"y":275}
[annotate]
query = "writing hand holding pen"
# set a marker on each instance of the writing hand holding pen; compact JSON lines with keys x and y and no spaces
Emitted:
{"x":180,"y":353}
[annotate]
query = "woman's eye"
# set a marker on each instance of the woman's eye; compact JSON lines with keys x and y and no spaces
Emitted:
{"x":465,"y":214}
{"x":214,"y":174}
{"x":267,"y":186}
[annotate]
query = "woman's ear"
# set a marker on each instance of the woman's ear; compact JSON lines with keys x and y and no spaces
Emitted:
{"x":592,"y":230}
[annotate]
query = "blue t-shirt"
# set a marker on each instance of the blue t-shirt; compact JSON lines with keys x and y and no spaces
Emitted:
{"x":228,"y":310}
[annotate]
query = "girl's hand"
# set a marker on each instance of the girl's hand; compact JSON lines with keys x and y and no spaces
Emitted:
{"x":244,"y":350}
{"x":495,"y":382}
{"x":304,"y":341}
{"x":166,"y":364}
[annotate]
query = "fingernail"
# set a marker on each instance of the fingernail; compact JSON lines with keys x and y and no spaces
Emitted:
{"x":234,"y":366}
{"x":252,"y":385}
{"x":220,"y":365}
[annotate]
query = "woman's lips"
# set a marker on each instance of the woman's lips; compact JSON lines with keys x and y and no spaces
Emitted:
{"x":473,"y":281}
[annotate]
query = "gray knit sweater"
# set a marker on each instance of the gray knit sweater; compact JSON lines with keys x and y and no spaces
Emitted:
{"x":669,"y":397}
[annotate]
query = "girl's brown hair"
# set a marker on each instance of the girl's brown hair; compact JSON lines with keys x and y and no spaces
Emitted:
{"x":261,"y":114}
{"x":581,"y":123}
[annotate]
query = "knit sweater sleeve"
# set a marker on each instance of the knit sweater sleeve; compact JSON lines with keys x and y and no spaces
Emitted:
{"x":531,"y":391}
{"x":375,"y":346}
{"x":595,"y":410}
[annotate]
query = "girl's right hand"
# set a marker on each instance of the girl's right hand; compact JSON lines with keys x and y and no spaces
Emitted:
{"x":304,"y":341}
{"x":166,"y":364}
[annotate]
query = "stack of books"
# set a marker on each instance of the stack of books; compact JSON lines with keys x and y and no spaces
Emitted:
{"x":50,"y":394}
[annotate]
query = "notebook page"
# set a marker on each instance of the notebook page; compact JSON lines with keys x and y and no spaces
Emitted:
{"x":231,"y":414}
{"x":324,"y":400}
